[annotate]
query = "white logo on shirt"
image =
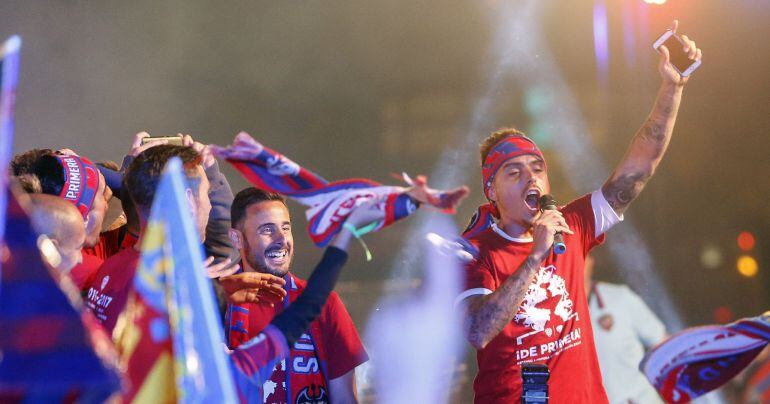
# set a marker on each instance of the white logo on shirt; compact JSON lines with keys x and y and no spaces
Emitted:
{"x":104,"y":282}
{"x":547,"y":284}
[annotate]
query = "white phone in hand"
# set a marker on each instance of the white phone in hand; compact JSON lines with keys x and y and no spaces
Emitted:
{"x":678,"y":57}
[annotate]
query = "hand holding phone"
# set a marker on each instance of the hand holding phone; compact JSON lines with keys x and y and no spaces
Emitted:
{"x":175,"y":140}
{"x":681,"y":52}
{"x":143,"y":141}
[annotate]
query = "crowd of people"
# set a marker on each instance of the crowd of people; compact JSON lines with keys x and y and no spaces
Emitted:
{"x":292,"y":340}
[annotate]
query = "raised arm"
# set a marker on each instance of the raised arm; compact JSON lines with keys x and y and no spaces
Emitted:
{"x":650,"y":142}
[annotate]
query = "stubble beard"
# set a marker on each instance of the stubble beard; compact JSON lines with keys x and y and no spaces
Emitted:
{"x":260,"y":266}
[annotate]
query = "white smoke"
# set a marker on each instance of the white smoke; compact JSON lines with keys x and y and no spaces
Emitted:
{"x":416,"y":338}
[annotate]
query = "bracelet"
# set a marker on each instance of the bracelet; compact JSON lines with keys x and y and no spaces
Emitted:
{"x":357,"y":233}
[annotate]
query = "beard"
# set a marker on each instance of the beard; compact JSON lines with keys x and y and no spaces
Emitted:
{"x":260,"y":265}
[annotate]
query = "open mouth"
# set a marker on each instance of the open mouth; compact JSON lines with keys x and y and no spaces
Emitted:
{"x":277,"y":256}
{"x":531,"y":199}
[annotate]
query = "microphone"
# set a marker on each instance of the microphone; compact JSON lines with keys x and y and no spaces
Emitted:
{"x":548,"y":203}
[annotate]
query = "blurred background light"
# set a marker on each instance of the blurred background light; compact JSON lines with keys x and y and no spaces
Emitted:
{"x":711,"y":256}
{"x":746,"y":241}
{"x":723,"y":315}
{"x":747,"y":266}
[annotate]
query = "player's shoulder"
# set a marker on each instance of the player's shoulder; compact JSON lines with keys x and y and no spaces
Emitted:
{"x":485,"y":239}
{"x":125,"y":254}
{"x":578,"y":205}
{"x":120,"y":260}
{"x":334,"y":302}
{"x":334,"y":310}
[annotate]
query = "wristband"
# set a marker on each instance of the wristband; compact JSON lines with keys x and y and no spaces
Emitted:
{"x":357,"y":233}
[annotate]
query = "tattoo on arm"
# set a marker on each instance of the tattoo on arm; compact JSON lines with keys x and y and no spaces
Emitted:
{"x":621,"y":191}
{"x":645,"y":153}
{"x":488,"y":315}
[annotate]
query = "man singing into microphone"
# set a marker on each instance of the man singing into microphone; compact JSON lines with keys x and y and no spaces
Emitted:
{"x":525,"y":304}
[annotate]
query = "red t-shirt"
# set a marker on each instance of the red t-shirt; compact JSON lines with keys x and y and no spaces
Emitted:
{"x":552,"y":325}
{"x":83,"y":273}
{"x":93,"y":257}
{"x":107,"y":245}
{"x":340,"y":341}
{"x":107,"y":293}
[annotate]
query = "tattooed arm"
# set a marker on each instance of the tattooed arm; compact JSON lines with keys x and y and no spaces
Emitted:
{"x":487,"y":315}
{"x":650,"y":142}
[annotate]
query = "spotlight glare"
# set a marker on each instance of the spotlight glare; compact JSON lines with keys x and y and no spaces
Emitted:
{"x":747,"y":266}
{"x":656,"y":2}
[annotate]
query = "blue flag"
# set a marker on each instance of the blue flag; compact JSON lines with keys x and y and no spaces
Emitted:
{"x":9,"y":74}
{"x":170,"y":336}
{"x":51,"y":348}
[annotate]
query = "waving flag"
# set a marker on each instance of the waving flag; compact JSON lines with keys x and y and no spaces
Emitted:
{"x":329,"y":203}
{"x":51,"y":349}
{"x":9,"y":75}
{"x":169,"y":336}
{"x":698,"y":360}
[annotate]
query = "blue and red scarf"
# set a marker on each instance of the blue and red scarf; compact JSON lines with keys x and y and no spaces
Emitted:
{"x":302,"y":376}
{"x":329,"y":203}
{"x":81,"y":181}
{"x":700,"y":359}
{"x":506,"y":149}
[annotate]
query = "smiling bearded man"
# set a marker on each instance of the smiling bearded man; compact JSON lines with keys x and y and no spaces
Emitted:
{"x":321,"y":364}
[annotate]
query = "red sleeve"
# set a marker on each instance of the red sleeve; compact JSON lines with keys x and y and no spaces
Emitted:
{"x":478,"y":274}
{"x":579,"y":215}
{"x":342,"y":344}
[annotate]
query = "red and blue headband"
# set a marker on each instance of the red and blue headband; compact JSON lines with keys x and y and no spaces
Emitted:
{"x":504,"y":150}
{"x":81,"y":181}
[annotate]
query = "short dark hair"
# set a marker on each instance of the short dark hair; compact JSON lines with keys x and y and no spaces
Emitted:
{"x":50,"y":172}
{"x":248,"y":197}
{"x":143,"y":174}
{"x":24,"y":163}
{"x":492,"y":140}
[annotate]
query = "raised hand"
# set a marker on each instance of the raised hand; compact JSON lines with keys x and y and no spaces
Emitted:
{"x":446,"y":200}
{"x":137,"y":147}
{"x":667,"y":71}
{"x":243,"y":147}
{"x":544,"y":229}
{"x":220,"y":269}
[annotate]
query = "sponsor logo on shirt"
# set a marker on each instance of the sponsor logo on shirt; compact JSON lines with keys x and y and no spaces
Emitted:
{"x":98,"y":302}
{"x":538,"y":313}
